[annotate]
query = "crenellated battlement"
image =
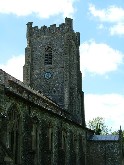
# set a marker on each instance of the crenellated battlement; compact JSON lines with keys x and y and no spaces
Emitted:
{"x":44,"y":30}
{"x":50,"y":54}
{"x":63,"y":28}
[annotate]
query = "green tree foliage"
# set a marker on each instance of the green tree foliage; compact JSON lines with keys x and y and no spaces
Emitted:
{"x":98,"y":125}
{"x":117,"y":132}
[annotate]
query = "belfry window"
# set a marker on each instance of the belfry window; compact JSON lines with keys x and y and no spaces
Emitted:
{"x":48,"y":56}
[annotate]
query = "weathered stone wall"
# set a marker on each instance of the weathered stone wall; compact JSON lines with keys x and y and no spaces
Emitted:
{"x":68,"y":138}
{"x":104,"y":153}
{"x":42,"y":131}
{"x":62,"y":80}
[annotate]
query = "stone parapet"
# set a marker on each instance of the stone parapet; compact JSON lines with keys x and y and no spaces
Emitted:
{"x":35,"y":32}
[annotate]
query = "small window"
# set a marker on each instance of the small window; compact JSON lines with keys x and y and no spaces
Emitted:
{"x":35,"y":139}
{"x":75,"y":143}
{"x":48,"y":56}
{"x":64,"y":140}
{"x":50,"y":136}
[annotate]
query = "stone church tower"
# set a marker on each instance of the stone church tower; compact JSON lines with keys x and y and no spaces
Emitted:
{"x":40,"y":130}
{"x":52,"y":66}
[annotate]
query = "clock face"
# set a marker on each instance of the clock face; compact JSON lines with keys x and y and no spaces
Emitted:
{"x":47,"y":75}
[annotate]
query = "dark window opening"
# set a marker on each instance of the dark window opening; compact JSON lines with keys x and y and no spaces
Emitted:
{"x":48,"y":56}
{"x":13,"y":133}
{"x":35,"y":139}
{"x":50,"y":136}
{"x":63,"y":140}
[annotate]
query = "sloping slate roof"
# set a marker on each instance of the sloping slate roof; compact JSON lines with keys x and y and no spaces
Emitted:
{"x":104,"y":138}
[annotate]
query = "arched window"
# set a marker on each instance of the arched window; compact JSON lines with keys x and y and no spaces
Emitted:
{"x":35,"y":139}
{"x":48,"y":56}
{"x":63,"y":140}
{"x":75,"y":143}
{"x":34,"y":136}
{"x":62,"y":146}
{"x":50,"y":138}
{"x":13,"y":133}
{"x":81,"y":150}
